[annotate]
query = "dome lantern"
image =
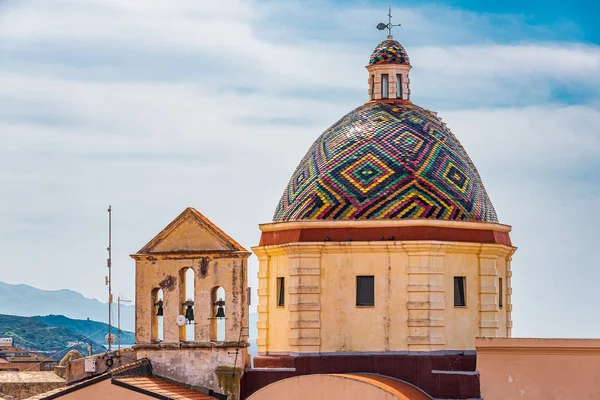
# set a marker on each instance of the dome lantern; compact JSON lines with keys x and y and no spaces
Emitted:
{"x":389,"y":68}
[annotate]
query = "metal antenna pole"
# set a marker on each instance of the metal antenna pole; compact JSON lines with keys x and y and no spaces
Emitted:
{"x":109,"y":265}
{"x":119,"y":324}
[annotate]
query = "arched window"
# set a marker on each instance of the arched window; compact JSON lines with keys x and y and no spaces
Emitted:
{"x":372,"y":87}
{"x":385,"y":86}
{"x":157,"y":325}
{"x":187,"y":307}
{"x":399,"y":93}
{"x":219,"y":313}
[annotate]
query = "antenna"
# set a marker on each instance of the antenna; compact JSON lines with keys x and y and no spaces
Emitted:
{"x":109,"y":279}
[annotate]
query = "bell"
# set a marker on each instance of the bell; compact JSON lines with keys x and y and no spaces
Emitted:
{"x":189,"y":311}
{"x":220,"y":309}
{"x":159,"y":312}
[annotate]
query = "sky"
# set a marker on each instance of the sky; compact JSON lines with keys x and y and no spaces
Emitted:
{"x":156,"y":105}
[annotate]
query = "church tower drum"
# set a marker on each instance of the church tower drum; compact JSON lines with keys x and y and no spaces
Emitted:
{"x":385,"y":239}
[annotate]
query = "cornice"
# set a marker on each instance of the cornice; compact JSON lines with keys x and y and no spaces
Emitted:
{"x":174,"y":255}
{"x":409,"y":246}
{"x":282,"y":226}
{"x":516,"y":346}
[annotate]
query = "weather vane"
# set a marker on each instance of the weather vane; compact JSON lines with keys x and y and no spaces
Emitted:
{"x":381,"y":26}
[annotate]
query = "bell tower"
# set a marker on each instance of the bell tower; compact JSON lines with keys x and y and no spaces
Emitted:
{"x":192,"y":304}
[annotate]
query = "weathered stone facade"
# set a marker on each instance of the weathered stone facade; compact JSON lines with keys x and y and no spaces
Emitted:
{"x":191,"y":241}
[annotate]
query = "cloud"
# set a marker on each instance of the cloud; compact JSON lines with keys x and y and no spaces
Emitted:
{"x":157,"y":107}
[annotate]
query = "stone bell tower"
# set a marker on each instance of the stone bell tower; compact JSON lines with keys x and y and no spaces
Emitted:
{"x":192,"y":306}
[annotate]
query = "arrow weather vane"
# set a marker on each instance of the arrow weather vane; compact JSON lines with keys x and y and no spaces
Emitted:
{"x":381,"y":26}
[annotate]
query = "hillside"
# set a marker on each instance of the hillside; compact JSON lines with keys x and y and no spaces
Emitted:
{"x":88,"y":328}
{"x":29,"y":301}
{"x":33,"y":334}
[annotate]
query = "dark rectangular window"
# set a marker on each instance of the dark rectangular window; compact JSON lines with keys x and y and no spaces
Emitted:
{"x":500,"y":293}
{"x":385,"y":86}
{"x":399,"y":86}
{"x":280,"y":292}
{"x":459,"y":292}
{"x":365,"y":290}
{"x":372,"y":87}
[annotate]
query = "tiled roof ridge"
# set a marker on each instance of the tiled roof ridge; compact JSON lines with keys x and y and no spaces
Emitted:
{"x":161,"y":388}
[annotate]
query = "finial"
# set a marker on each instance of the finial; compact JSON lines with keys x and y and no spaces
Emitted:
{"x":381,"y":26}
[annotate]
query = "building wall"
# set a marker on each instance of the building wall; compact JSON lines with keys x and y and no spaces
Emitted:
{"x":211,"y":271}
{"x":210,"y":368}
{"x":414,"y":296}
{"x":104,"y":390}
{"x":74,"y":371}
{"x":21,"y":385}
{"x":539,"y":369}
{"x":21,"y":366}
{"x":23,"y":390}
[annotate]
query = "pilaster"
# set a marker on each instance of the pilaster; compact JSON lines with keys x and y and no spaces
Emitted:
{"x":203,"y":310}
{"x":305,"y":300}
{"x":262,"y":341}
{"x":488,"y":292}
{"x":508,"y":296}
{"x":171,"y":309}
{"x":426,"y":303}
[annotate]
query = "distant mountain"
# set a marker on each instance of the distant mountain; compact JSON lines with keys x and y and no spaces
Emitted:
{"x":33,"y":334}
{"x":94,"y":330}
{"x":29,"y":301}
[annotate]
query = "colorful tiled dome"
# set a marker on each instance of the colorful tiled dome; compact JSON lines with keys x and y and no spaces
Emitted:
{"x":389,"y":52}
{"x":386,"y":160}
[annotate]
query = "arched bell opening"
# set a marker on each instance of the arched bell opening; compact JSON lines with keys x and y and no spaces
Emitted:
{"x":187,"y":308}
{"x":218,"y":315}
{"x":156,"y":316}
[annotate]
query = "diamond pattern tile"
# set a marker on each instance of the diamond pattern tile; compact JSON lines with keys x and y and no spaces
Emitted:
{"x":386,"y":160}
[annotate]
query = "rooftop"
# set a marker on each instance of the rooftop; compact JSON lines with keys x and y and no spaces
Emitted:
{"x":152,"y":384}
{"x":29,"y":377}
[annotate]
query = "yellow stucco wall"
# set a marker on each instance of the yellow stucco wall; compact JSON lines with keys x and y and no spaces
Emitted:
{"x":414,"y":296}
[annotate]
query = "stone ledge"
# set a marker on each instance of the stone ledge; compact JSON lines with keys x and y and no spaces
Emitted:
{"x":299,"y":324}
{"x":425,"y":270}
{"x":488,"y":324}
{"x":426,"y":288}
{"x":189,"y":345}
{"x":488,"y":307}
{"x":426,"y":305}
{"x":294,"y":271}
{"x":305,"y":341}
{"x":426,"y":322}
{"x":305,"y":289}
{"x":305,"y":307}
{"x":426,"y":340}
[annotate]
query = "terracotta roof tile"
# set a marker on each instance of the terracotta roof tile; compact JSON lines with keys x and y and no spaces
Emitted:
{"x":91,"y":380}
{"x":162,"y":387}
